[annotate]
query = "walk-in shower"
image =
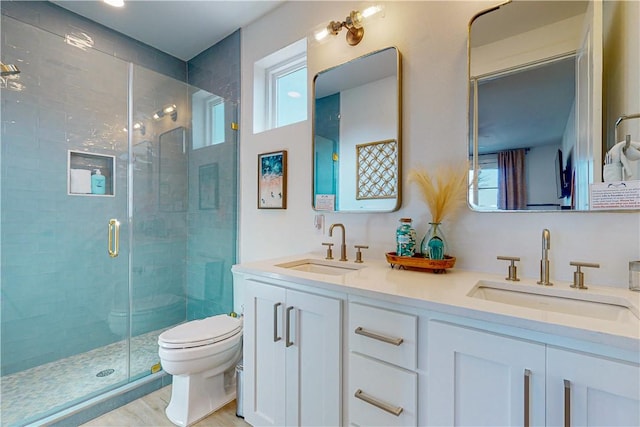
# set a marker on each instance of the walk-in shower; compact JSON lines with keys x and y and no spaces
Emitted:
{"x":92,"y":274}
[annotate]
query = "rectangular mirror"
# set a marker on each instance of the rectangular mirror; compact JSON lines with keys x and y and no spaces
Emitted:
{"x":542,"y":108}
{"x":357,"y":135}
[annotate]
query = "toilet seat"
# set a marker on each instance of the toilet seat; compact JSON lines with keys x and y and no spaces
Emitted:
{"x":197,"y":333}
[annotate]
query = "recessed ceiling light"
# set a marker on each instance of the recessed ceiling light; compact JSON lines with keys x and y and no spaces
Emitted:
{"x":114,"y":3}
{"x":293,"y":94}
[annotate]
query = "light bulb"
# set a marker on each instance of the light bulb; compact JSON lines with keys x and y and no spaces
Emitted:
{"x":321,"y":34}
{"x":371,"y":10}
{"x":115,"y":3}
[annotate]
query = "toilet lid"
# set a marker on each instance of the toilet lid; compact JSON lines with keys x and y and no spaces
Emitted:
{"x":201,"y":332}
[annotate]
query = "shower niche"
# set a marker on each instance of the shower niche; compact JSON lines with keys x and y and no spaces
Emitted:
{"x":90,"y":174}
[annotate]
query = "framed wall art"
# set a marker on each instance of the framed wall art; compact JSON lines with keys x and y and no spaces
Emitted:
{"x":272,"y":180}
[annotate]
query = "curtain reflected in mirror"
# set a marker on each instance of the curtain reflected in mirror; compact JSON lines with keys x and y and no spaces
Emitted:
{"x":512,"y":184}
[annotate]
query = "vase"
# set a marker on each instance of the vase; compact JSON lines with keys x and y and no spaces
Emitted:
{"x":434,"y":245}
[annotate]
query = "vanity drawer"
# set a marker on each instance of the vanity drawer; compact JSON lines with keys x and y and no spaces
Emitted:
{"x":381,"y":394}
{"x":387,"y":335}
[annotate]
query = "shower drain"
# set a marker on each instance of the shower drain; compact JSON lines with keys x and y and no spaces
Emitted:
{"x":105,"y":373}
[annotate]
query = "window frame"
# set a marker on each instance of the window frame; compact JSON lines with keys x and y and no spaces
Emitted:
{"x":272,"y":75}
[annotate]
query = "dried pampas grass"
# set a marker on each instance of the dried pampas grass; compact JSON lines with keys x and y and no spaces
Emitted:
{"x":444,"y":192}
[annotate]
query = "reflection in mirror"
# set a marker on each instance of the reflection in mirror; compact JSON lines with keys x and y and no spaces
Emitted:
{"x":173,"y":171}
{"x":536,"y":71}
{"x":356,"y":135}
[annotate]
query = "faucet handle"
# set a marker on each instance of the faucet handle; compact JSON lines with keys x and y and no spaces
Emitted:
{"x":359,"y":253}
{"x":513,"y":270}
{"x":578,"y":276}
{"x":329,"y":251}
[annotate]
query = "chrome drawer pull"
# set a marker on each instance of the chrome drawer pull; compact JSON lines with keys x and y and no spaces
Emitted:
{"x":527,"y":398}
{"x":394,"y":410}
{"x":389,"y":340}
{"x":567,"y":403}
{"x":288,"y":342}
{"x":276,"y":337}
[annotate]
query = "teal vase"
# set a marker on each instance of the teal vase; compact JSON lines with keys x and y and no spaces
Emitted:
{"x":434,"y":245}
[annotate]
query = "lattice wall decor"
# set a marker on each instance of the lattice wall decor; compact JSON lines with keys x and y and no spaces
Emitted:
{"x":377,"y":170}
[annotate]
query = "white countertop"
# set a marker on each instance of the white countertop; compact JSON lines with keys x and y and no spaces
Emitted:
{"x":448,"y":293}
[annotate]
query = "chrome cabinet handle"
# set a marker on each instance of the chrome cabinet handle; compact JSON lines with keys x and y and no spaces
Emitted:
{"x":567,"y":403}
{"x":394,"y":410}
{"x":113,"y":238}
{"x":376,"y":336}
{"x":527,"y":390}
{"x":289,"y":343}
{"x":276,"y":338}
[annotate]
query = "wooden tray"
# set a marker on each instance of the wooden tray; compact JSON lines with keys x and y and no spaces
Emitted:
{"x":418,"y":262}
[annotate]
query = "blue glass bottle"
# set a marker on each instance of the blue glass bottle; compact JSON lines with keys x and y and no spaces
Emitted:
{"x":405,"y":238}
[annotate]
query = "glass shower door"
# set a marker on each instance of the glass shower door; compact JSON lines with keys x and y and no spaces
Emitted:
{"x":159,"y":197}
{"x":63,"y":266}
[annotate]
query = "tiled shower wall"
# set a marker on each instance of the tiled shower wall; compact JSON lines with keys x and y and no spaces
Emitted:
{"x":58,"y":283}
{"x":64,"y":235}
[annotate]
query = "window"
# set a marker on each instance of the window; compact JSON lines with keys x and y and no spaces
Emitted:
{"x":215,"y":119}
{"x":487,"y":191}
{"x":208,"y":119}
{"x":288,"y":92}
{"x":280,"y":88}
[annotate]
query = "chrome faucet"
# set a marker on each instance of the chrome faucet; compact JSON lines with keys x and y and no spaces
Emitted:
{"x":544,"y":262}
{"x":343,"y":247}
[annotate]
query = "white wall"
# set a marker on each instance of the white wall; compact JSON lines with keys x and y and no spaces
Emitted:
{"x":541,"y":176}
{"x":432,"y":37}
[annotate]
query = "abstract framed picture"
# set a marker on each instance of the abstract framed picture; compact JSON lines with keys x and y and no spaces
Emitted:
{"x":272,"y":180}
{"x":208,"y":186}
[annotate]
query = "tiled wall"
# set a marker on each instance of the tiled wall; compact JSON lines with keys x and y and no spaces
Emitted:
{"x":59,"y":287}
{"x":58,"y":283}
{"x":56,"y":20}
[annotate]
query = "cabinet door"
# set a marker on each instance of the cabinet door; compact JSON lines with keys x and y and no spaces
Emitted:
{"x":264,"y":354}
{"x":481,"y":379}
{"x":597,"y":391}
{"x":313,"y":357}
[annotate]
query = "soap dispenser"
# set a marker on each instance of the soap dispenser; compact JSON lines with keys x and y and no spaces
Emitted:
{"x":98,"y":182}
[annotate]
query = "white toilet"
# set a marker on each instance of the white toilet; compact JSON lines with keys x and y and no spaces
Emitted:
{"x":201,"y":355}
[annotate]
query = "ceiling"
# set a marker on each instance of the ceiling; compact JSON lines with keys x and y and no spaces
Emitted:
{"x":180,"y":28}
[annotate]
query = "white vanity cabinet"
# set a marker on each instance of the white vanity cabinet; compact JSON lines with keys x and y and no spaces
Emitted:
{"x":477,"y":378}
{"x":383,"y":384}
{"x":482,"y":378}
{"x":587,"y":390}
{"x":375,"y":347}
{"x":292,"y":356}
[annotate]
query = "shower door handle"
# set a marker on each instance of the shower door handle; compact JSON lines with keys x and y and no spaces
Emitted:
{"x":113,"y":238}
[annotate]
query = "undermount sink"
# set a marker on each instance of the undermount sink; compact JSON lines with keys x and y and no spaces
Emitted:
{"x":574,"y":302}
{"x":320,"y":266}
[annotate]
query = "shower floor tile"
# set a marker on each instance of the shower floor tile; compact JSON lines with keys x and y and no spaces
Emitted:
{"x":37,"y":392}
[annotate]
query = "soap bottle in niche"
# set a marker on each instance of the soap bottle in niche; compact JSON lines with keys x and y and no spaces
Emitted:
{"x":98,"y":183}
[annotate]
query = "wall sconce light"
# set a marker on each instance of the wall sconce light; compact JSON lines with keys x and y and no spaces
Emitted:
{"x":171,"y":110}
{"x":353,"y":23}
{"x":139,"y":127}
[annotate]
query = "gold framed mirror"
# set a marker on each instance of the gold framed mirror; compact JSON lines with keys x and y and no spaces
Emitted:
{"x":357,"y":142}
